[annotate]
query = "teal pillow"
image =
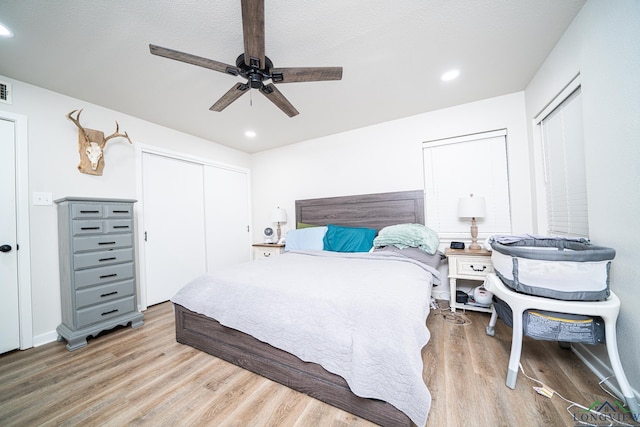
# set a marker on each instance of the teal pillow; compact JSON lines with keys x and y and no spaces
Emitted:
{"x":348,"y":239}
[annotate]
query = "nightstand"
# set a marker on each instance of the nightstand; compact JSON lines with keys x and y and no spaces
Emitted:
{"x":266,"y":250}
{"x":470,"y":265}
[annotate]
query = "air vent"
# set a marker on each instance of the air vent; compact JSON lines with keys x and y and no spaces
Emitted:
{"x":5,"y":92}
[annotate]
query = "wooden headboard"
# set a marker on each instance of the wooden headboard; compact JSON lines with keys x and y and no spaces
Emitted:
{"x":367,"y":210}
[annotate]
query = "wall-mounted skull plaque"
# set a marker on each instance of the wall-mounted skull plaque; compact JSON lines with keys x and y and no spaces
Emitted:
{"x":91,"y":144}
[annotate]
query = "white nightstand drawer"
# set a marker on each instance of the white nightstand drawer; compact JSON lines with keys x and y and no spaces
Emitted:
{"x":265,"y":251}
{"x":473,"y":267}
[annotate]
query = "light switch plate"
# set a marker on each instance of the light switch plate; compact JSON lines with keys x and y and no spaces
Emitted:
{"x":42,"y":199}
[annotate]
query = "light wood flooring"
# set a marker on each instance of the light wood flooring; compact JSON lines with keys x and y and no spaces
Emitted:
{"x":143,"y":377}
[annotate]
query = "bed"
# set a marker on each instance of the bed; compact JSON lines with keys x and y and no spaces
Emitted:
{"x":220,"y":336}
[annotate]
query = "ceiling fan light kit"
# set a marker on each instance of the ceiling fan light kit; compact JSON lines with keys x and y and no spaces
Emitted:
{"x":253,"y":65}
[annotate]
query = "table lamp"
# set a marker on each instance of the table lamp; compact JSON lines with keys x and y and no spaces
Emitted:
{"x":279,"y":216}
{"x":472,"y":207}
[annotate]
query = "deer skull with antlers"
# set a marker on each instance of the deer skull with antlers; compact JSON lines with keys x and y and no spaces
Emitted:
{"x":91,"y":144}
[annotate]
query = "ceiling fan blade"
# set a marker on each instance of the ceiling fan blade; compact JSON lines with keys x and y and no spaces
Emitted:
{"x":194,"y":60}
{"x":305,"y":74}
{"x":275,"y":96}
{"x":234,"y":93}
{"x":253,"y":32}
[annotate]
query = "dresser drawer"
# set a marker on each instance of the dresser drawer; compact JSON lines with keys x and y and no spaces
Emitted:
{"x":473,"y":266}
{"x":119,"y":211}
{"x":92,"y":243}
{"x":87,"y":210}
{"x":111,"y":273}
{"x":95,"y":259}
{"x":102,"y":312}
{"x":88,"y":227}
{"x":104,"y":293}
{"x":118,"y":225}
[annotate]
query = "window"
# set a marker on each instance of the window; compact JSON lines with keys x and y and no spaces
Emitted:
{"x":456,"y":167}
{"x":565,"y":185}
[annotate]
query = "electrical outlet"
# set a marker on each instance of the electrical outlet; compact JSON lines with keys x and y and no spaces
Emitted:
{"x":42,"y":199}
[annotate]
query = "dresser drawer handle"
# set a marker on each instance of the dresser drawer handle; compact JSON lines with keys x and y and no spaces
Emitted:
{"x":121,"y":212}
{"x":266,"y":254}
{"x":87,"y":212}
{"x":107,"y":294}
{"x":120,"y":226}
{"x":484,"y":267}
{"x":107,"y":259}
{"x":106,"y":243}
{"x":89,"y":228}
{"x":106,"y":276}
{"x":115,"y":310}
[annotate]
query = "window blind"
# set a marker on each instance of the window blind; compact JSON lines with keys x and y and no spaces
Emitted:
{"x":564,"y":165}
{"x":457,"y":167}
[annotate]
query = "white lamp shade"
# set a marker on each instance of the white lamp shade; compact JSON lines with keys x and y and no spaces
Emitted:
{"x":472,"y":207}
{"x":279,"y":215}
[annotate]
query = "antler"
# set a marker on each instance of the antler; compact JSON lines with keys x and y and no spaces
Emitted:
{"x":115,"y":134}
{"x":76,"y":120}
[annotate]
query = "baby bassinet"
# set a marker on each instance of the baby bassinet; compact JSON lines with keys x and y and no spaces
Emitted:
{"x":564,"y":269}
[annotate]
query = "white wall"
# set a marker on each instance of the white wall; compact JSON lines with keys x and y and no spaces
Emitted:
{"x":387,"y":157}
{"x":53,"y":157}
{"x":602,"y":45}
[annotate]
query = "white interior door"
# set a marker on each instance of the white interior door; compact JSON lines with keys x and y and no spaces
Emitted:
{"x":9,"y":314}
{"x":227,"y":216}
{"x":173,"y":210}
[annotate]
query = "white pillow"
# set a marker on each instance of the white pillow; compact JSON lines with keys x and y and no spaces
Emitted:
{"x":305,"y":239}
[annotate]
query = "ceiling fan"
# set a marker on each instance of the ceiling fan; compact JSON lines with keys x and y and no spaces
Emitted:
{"x":254,"y":65}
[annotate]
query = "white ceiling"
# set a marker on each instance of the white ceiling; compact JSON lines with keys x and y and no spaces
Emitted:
{"x":392,"y":51}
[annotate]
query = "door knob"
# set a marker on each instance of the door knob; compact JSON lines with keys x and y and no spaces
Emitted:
{"x":5,"y":248}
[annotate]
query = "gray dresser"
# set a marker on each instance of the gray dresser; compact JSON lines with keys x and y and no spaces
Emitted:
{"x":97,"y":267}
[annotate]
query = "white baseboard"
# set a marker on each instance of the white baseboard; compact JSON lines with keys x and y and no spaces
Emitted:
{"x":600,"y":365}
{"x":45,"y":338}
{"x":440,"y":293}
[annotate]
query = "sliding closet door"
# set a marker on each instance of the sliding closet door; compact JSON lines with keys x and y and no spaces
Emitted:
{"x":227,"y":216}
{"x":173,"y":209}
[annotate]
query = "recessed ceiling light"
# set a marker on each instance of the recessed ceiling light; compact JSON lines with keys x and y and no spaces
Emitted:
{"x":5,"y":31}
{"x":450,"y":75}
{"x":250,"y":134}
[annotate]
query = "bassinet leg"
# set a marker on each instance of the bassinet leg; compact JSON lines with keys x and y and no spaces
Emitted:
{"x":616,"y":365}
{"x":516,"y":347}
{"x":491,"y":329}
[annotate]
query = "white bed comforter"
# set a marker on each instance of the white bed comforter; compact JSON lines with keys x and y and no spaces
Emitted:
{"x":361,"y":316}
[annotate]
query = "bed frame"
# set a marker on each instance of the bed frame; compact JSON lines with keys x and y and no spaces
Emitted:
{"x":206,"y":334}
